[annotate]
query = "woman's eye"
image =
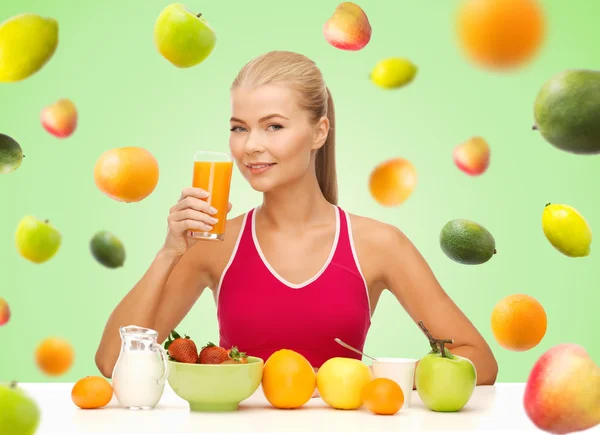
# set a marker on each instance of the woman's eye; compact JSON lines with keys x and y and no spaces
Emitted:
{"x":236,"y":129}
{"x":275,"y":126}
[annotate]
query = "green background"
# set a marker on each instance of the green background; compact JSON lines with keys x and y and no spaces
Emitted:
{"x":128,"y":95}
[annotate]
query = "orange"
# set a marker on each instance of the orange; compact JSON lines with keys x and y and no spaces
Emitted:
{"x":383,"y":396}
{"x":393,"y":181}
{"x":500,"y":34}
{"x":54,"y":356}
{"x":518,"y":322}
{"x":288,"y":380}
{"x":126,"y":174}
{"x":91,"y":392}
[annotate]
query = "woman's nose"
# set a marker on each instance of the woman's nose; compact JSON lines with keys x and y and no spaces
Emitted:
{"x":253,"y":145}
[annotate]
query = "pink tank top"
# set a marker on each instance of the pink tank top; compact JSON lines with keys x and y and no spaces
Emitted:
{"x":260,"y":312}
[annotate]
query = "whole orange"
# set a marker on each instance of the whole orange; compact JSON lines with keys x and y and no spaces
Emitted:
{"x":54,"y":356}
{"x":288,"y":379}
{"x":500,"y":34}
{"x":127,"y":174}
{"x":518,"y":322}
{"x":383,"y":396}
{"x":91,"y":392}
{"x":393,"y":181}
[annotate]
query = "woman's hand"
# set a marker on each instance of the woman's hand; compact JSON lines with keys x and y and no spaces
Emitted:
{"x":191,"y":212}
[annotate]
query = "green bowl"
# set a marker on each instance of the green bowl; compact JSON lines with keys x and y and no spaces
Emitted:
{"x":215,"y":387}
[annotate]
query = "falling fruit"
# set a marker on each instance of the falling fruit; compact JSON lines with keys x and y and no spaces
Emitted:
{"x":472,"y":156}
{"x":37,"y":241}
{"x":107,"y":249}
{"x":567,"y":230}
{"x":27,"y":42}
{"x":91,"y":392}
{"x":60,"y":118}
{"x":4,"y":312}
{"x":127,"y":174}
{"x":393,"y":73}
{"x":467,"y":242}
{"x":340,"y":382}
{"x":11,"y":154}
{"x":182,"y":37}
{"x":562,"y":393}
{"x":393,"y":181}
{"x":518,"y":322}
{"x":288,"y":379}
{"x":348,"y":28}
{"x":500,"y":34}
{"x":19,"y":413}
{"x":567,"y":111}
{"x":54,"y":356}
{"x":383,"y":396}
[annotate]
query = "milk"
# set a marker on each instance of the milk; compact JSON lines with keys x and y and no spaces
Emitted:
{"x":136,"y":378}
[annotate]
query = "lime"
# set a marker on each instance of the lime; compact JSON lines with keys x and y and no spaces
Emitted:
{"x":467,"y":242}
{"x":11,"y":154}
{"x":107,"y":249}
{"x":567,"y":230}
{"x":393,"y":72}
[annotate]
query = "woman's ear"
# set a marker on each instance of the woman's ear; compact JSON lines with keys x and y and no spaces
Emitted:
{"x":321,"y":132}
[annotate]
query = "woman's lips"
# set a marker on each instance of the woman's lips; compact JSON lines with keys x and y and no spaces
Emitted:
{"x":259,"y":168}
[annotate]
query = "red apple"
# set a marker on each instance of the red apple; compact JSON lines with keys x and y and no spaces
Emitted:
{"x":348,"y":28}
{"x":472,"y":156}
{"x":60,"y":118}
{"x":562,"y":394}
{"x":4,"y":312}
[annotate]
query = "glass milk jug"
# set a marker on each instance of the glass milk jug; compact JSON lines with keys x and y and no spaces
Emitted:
{"x":139,"y":376}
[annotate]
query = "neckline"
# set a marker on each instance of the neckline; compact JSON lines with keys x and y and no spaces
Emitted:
{"x":314,"y":277}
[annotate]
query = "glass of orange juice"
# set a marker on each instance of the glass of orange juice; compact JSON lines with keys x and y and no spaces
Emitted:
{"x":212,"y":173}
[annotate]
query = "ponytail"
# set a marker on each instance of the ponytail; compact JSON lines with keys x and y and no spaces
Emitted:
{"x":325,"y":159}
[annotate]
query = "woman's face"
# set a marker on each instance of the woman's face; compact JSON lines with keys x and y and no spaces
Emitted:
{"x":272,"y":138}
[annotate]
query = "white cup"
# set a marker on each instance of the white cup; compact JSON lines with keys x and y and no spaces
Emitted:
{"x":400,"y":370}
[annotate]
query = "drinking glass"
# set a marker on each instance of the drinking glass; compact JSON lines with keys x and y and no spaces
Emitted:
{"x":212,"y":173}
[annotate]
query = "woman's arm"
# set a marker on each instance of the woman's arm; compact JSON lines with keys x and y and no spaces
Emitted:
{"x":410,"y":279}
{"x":159,"y":301}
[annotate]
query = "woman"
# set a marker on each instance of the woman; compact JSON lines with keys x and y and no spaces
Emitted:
{"x":297,"y":271}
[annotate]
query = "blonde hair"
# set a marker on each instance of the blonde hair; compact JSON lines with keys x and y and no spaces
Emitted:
{"x":303,"y":75}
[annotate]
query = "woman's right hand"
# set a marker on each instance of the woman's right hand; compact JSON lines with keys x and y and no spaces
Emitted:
{"x":190,"y":212}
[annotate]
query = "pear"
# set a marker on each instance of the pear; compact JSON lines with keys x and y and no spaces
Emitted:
{"x":27,"y":43}
{"x":562,"y":393}
{"x":183,"y":38}
{"x":348,"y":28}
{"x":60,"y":118}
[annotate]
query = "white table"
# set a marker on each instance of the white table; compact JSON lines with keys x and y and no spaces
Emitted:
{"x":497,"y":407}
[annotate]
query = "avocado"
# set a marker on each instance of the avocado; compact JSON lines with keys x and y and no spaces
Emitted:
{"x":107,"y":249}
{"x":11,"y":154}
{"x":467,"y":242}
{"x":567,"y":111}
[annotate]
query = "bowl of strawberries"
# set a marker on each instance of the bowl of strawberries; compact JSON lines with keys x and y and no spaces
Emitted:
{"x":211,"y":378}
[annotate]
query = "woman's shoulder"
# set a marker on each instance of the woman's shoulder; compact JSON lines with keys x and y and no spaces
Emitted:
{"x":375,"y":233}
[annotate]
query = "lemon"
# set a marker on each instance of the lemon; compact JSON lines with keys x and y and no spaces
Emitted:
{"x":393,"y":72}
{"x":340,"y":382}
{"x":27,"y":42}
{"x":567,"y":230}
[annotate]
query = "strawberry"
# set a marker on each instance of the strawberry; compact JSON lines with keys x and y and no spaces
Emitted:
{"x":237,"y":356}
{"x":181,"y":349}
{"x":211,"y":354}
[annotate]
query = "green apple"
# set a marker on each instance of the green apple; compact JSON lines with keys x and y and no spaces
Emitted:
{"x":37,"y":241}
{"x":445,"y":382}
{"x":183,"y":38}
{"x":20,"y":414}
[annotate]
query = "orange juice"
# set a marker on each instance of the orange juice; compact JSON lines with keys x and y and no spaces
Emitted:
{"x":215,"y":178}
